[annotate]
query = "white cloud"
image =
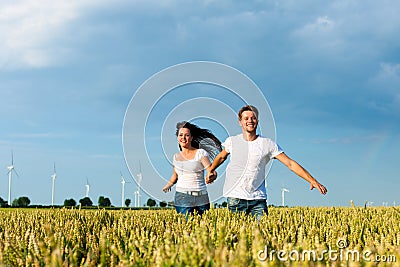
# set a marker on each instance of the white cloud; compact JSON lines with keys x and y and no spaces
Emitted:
{"x":28,"y":27}
{"x":348,"y":30}
{"x":321,"y":24}
{"x":387,"y":79}
{"x":390,"y":71}
{"x":320,"y":35}
{"x":41,"y":33}
{"x":383,"y":90}
{"x":31,"y":31}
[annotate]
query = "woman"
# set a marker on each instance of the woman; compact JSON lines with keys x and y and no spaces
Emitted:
{"x":195,"y":145}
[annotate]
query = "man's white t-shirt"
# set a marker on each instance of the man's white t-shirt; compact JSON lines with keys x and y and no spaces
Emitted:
{"x":190,"y":172}
{"x":245,"y":173}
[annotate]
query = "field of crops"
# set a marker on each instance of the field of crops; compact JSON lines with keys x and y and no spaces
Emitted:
{"x":287,"y":237}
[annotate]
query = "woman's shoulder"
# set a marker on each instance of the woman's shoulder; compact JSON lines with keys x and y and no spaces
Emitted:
{"x":176,"y":156}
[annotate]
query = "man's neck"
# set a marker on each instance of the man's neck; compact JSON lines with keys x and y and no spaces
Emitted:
{"x":249,"y":136}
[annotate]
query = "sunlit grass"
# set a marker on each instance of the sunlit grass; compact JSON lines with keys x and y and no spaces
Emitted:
{"x":73,"y":237}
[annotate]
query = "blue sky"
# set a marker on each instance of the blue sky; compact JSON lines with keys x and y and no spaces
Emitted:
{"x":330,"y":71}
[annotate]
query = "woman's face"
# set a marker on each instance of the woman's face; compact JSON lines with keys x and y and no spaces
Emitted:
{"x":185,"y":138}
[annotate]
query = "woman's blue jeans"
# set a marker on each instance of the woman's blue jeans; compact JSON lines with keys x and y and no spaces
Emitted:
{"x":187,"y":204}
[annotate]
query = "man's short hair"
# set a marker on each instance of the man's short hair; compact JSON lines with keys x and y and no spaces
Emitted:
{"x":247,"y":108}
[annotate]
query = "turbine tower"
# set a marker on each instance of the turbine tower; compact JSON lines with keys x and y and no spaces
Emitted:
{"x":139,"y":176}
{"x":53,"y":177}
{"x":123,"y":190}
{"x":87,"y":186}
{"x":283,"y":196}
{"x":135,"y":194}
{"x":11,"y":169}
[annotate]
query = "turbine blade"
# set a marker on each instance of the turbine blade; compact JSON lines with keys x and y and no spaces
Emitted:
{"x":16,"y":172}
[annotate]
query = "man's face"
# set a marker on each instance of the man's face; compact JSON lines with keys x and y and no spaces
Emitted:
{"x":248,"y":121}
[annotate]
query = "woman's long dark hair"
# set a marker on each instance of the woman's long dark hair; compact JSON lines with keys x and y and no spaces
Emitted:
{"x":202,"y":138}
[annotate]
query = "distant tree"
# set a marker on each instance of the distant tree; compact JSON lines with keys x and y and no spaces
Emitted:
{"x":224,"y":204}
{"x":24,"y":201}
{"x":163,"y":204}
{"x":104,"y":202}
{"x":70,"y":202}
{"x":101,"y":201}
{"x":151,"y":202}
{"x":3,"y":203}
{"x":86,"y":202}
{"x":21,"y":202}
{"x":107,"y":202}
{"x":127,"y":202}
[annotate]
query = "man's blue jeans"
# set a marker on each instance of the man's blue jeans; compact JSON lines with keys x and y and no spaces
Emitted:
{"x":255,"y":207}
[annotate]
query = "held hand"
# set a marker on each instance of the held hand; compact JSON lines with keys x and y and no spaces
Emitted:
{"x":211,"y":177}
{"x":322,"y":189}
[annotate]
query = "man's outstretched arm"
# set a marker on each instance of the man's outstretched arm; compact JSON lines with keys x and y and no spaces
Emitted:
{"x":219,"y":159}
{"x":300,"y":171}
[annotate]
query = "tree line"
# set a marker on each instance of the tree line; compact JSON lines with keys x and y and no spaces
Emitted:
{"x":24,"y":201}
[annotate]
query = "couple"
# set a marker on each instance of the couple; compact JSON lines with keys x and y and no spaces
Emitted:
{"x":245,"y":174}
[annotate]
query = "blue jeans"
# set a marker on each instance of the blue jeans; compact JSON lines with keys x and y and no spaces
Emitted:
{"x":255,"y":207}
{"x":187,"y":204}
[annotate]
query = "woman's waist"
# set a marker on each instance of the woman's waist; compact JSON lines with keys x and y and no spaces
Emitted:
{"x":184,"y":187}
{"x":192,"y":192}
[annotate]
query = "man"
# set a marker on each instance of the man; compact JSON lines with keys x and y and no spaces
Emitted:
{"x":245,"y":174}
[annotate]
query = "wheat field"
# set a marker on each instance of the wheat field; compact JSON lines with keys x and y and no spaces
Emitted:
{"x":298,"y":236}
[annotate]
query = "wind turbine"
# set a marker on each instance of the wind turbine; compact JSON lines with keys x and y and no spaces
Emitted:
{"x":139,"y":176}
{"x":11,"y":169}
{"x":283,"y":195}
{"x":137,"y":193}
{"x":87,"y":187}
{"x":123,"y":189}
{"x":53,"y":177}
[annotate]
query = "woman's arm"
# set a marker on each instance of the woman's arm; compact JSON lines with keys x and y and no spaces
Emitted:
{"x":172,"y":181}
{"x":206,"y":164}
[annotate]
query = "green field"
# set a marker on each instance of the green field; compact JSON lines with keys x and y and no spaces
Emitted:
{"x":296,"y":236}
